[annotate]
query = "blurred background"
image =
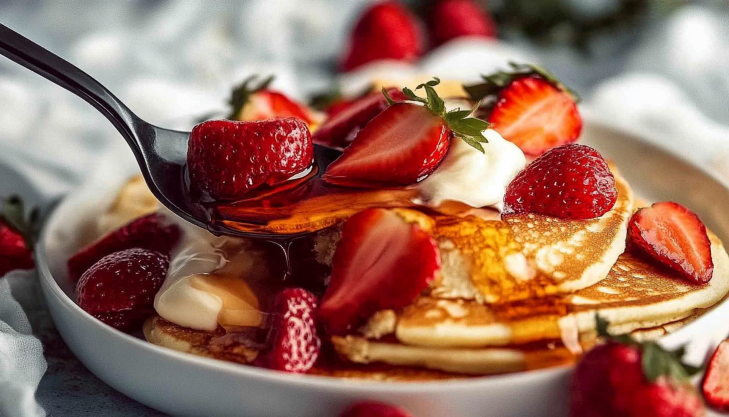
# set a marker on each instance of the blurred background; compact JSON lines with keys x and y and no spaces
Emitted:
{"x":660,"y":66}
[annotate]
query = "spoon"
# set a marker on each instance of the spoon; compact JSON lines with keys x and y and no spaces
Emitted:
{"x":160,"y":153}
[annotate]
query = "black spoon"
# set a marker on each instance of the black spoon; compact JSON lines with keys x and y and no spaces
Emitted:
{"x":160,"y":153}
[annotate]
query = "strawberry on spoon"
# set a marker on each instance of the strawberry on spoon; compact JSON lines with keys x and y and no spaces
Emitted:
{"x":382,"y":262}
{"x":405,"y":143}
{"x":530,"y":107}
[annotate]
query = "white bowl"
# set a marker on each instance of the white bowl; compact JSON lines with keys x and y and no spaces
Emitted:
{"x":183,"y":384}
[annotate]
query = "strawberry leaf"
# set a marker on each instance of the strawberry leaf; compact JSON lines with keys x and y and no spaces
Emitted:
{"x":494,"y":83}
{"x":468,"y":128}
{"x":655,"y":360}
{"x":243,"y":92}
{"x":13,"y":215}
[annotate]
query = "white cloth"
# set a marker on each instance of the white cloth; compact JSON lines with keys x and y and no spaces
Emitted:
{"x":175,"y":61}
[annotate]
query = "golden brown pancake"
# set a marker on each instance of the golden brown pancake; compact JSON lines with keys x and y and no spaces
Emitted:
{"x":527,"y":255}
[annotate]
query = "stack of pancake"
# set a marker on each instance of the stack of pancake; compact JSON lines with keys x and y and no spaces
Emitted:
{"x":513,"y":294}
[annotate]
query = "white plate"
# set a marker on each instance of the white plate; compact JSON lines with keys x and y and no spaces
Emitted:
{"x":183,"y":384}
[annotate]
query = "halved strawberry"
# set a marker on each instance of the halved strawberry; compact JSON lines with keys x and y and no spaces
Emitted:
{"x":252,"y":103}
{"x":531,"y":108}
{"x":674,"y":236}
{"x":346,"y":118}
{"x":716,"y":380}
{"x":382,"y":262}
{"x":405,"y":143}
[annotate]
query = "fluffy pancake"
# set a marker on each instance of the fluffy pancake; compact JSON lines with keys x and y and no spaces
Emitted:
{"x":527,"y":256}
{"x":216,"y":344}
{"x":636,"y":294}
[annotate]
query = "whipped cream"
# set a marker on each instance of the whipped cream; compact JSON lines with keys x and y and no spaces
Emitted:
{"x":471,"y":177}
{"x":199,"y":252}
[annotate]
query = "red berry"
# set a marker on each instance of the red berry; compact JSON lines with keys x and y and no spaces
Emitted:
{"x":535,"y":115}
{"x":373,"y":409}
{"x":152,"y":232}
{"x":569,"y":182}
{"x":382,"y":262}
{"x":296,"y":344}
{"x":349,"y":117}
{"x":400,"y":146}
{"x":269,"y":104}
{"x":674,"y":236}
{"x":119,"y":289}
{"x":14,"y":252}
{"x":716,"y":381}
{"x":386,"y":30}
{"x":609,"y":382}
{"x":226,"y":158}
{"x":451,"y":19}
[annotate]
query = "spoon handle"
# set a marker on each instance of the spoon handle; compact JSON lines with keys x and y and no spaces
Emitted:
{"x":43,"y":62}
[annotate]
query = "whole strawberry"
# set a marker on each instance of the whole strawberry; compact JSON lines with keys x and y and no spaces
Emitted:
{"x":295,"y":343}
{"x":452,"y":19}
{"x":153,"y":232}
{"x":387,"y":30}
{"x":227,"y":159}
{"x":674,"y":236}
{"x":16,"y":237}
{"x":119,"y":290}
{"x":623,"y":378}
{"x":374,"y":409}
{"x":569,"y":182}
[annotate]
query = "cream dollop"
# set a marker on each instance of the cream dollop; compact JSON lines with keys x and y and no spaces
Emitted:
{"x":471,"y":177}
{"x":199,"y":252}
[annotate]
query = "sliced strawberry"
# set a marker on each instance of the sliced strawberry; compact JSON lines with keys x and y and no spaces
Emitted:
{"x":152,"y":232}
{"x":374,"y":409}
{"x":452,"y":19}
{"x":348,"y":117}
{"x":386,"y":30}
{"x":119,"y":289}
{"x":17,"y":235}
{"x":536,"y":116}
{"x":405,"y":143}
{"x":296,"y":344}
{"x":251,"y":102}
{"x":569,"y":182}
{"x":226,"y":159}
{"x":382,"y":262}
{"x":716,"y":380}
{"x":674,"y":236}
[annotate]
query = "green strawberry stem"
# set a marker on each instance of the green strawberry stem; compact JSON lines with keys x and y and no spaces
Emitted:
{"x":494,"y":83}
{"x":655,"y":360}
{"x":459,"y":121}
{"x":243,"y":92}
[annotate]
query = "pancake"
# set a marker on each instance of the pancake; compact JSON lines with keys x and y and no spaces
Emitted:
{"x":636,"y":294}
{"x":526,"y":256}
{"x":216,"y":344}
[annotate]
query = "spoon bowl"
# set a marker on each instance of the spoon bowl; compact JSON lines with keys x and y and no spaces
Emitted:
{"x":161,"y":153}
